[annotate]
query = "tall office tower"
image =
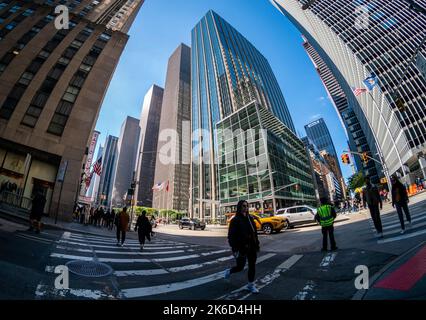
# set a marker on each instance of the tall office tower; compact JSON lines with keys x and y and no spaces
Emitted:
{"x":109,"y":165}
{"x":127,"y":150}
{"x":318,"y":133}
{"x":92,"y":193}
{"x":356,"y":127}
{"x":327,"y":185}
{"x":52,"y":83}
{"x":229,"y":78}
{"x":175,"y":118}
{"x":360,"y":38}
{"x":147,"y":149}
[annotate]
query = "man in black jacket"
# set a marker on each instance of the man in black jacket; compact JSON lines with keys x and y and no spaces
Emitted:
{"x":373,"y":199}
{"x":242,"y":237}
{"x":400,"y":201}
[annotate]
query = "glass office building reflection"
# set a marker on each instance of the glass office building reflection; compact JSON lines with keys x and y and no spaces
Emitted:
{"x":228,"y":73}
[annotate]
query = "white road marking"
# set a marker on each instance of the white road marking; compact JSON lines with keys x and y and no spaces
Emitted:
{"x":403,"y":236}
{"x":328,"y":259}
{"x":398,"y":224}
{"x":66,"y":235}
{"x":123,"y":273}
{"x":176,"y":286}
{"x":121,"y":252}
{"x":307,"y":289}
{"x":265,"y":280}
{"x":71,"y":257}
{"x":132,"y":244}
{"x":126,"y":246}
{"x":44,"y":290}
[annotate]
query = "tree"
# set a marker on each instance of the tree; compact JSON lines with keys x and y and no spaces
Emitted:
{"x":356,"y":181}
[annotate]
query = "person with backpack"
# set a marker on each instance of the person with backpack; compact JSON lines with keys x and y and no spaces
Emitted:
{"x":372,"y":197}
{"x":242,"y":237}
{"x":325,"y":216}
{"x":123,"y":219}
{"x":144,"y":228}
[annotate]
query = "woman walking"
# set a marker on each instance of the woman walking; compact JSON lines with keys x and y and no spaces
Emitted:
{"x":144,"y":228}
{"x":400,"y":201}
{"x":122,"y":225}
{"x":242,"y":237}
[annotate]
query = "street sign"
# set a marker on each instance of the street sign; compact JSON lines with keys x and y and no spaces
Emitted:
{"x":383,"y":180}
{"x":421,"y":64}
{"x":61,"y":171}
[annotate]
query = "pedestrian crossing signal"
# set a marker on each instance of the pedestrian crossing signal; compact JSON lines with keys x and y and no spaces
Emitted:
{"x":346,"y":159}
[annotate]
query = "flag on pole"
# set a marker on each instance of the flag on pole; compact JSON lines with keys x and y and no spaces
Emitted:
{"x":97,"y":167}
{"x":358,"y":91}
{"x":371,"y":82}
{"x":167,"y":187}
{"x":158,"y":187}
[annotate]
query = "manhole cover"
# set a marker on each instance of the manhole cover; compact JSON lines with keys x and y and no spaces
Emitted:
{"x":89,"y":268}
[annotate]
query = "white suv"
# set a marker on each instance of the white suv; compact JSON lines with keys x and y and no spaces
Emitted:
{"x":297,"y":215}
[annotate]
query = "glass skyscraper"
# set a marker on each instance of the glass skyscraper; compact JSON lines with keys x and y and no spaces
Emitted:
{"x":228,"y":74}
{"x":358,"y":38}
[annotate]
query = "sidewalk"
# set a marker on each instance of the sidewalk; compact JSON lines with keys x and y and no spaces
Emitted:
{"x":402,"y":279}
{"x":49,"y":223}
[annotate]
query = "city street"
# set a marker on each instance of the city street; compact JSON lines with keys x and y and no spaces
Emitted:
{"x":186,"y":264}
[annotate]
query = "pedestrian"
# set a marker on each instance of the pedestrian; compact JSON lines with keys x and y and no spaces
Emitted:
{"x":122,"y":225}
{"x":242,"y":237}
{"x":373,"y":200}
{"x":326,"y":214}
{"x":112,"y":219}
{"x":37,"y":210}
{"x":144,"y":228}
{"x":400,"y":200}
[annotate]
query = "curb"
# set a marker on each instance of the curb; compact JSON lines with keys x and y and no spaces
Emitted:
{"x":7,"y":215}
{"x":360,"y":294}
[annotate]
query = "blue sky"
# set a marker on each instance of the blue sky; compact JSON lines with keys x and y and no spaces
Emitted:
{"x":162,"y":25}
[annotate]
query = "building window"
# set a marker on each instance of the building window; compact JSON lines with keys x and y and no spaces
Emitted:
{"x":26,"y":78}
{"x":71,"y":94}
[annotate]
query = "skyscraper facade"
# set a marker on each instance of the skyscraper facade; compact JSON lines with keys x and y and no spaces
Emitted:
{"x":109,"y":165}
{"x":147,"y":149}
{"x":175,"y":118}
{"x":359,"y":135}
{"x":360,"y":38}
{"x":127,"y":150}
{"x":228,"y":74}
{"x":317,"y":131}
{"x":52,"y":83}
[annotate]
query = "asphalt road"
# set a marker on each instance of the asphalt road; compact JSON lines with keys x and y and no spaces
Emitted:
{"x":184,"y":264}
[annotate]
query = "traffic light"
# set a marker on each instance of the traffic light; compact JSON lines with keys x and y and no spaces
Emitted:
{"x":346,"y":159}
{"x":364,"y":157}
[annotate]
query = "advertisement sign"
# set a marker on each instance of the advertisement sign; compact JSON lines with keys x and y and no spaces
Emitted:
{"x":91,"y":152}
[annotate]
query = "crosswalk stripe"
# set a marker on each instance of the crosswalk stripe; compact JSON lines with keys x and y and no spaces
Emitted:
{"x":121,"y":252}
{"x":401,"y":237}
{"x":127,"y":246}
{"x":176,"y":286}
{"x":123,"y":273}
{"x":111,"y":239}
{"x":398,"y":224}
{"x":128,"y":260}
{"x":264,"y":281}
{"x":133,"y":243}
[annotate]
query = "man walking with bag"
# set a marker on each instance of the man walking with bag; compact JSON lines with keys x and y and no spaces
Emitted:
{"x":123,"y":219}
{"x":242,"y":237}
{"x":144,"y":228}
{"x":400,"y":201}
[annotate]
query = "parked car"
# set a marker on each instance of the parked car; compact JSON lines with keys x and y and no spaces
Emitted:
{"x":191,"y":224}
{"x":265,"y":222}
{"x":297,"y":215}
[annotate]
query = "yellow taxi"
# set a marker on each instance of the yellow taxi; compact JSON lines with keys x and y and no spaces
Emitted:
{"x":264,"y":222}
{"x":268,"y":223}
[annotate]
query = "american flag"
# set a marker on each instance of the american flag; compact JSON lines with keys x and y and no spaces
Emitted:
{"x":358,"y":91}
{"x":97,"y":167}
{"x":167,"y":186}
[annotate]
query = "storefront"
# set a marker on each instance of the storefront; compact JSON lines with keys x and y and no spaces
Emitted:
{"x":24,"y":171}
